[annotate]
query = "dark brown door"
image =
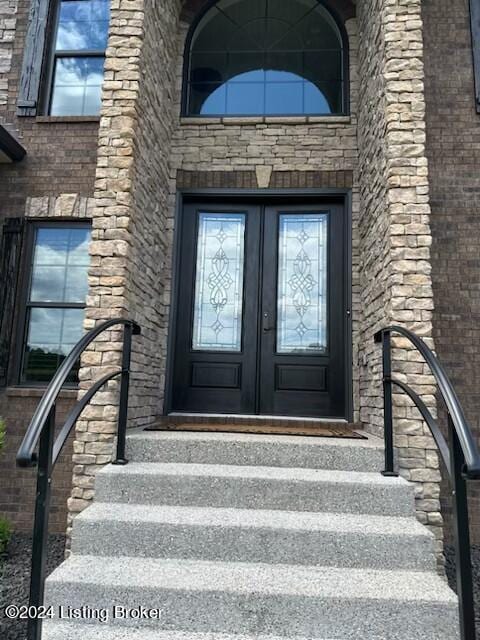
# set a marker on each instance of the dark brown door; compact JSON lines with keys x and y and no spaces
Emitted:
{"x":261,"y":310}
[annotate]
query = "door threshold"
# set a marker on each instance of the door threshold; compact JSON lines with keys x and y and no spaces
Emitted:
{"x":259,"y":425}
{"x":247,"y":417}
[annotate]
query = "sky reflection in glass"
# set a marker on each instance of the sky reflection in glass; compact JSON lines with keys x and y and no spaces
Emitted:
{"x":77,"y":86}
{"x":290,"y":95}
{"x":59,"y":278}
{"x":83,"y":25}
{"x":60,"y":265}
{"x":77,"y":79}
{"x":266,"y":58}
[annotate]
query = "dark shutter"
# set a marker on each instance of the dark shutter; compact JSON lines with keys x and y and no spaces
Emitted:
{"x":29,"y":91}
{"x":475,"y":27}
{"x":10,"y":249}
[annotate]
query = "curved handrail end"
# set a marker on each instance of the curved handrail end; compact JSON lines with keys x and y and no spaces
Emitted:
{"x":378,"y":336}
{"x":34,"y":430}
{"x":26,"y":460}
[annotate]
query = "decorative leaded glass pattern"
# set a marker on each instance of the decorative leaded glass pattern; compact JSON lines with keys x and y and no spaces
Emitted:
{"x":217,"y":323}
{"x":302,"y":283}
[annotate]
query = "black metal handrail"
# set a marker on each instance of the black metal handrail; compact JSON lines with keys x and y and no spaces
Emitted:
{"x":461,"y":457}
{"x":41,"y":434}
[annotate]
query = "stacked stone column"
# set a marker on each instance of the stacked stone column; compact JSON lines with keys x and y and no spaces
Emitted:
{"x":127,"y":230}
{"x":396,"y":232}
{"x":8,"y":21}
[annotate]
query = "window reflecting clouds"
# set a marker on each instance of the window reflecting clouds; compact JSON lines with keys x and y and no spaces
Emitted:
{"x":77,"y":79}
{"x":51,"y":336}
{"x":77,"y":86}
{"x":82,"y":25}
{"x":60,"y":265}
{"x":58,"y":279}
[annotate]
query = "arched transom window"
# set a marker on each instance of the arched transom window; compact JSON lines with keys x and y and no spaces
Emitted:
{"x":266,"y":57}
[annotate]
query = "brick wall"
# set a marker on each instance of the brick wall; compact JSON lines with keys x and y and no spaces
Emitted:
{"x":54,"y":180}
{"x":18,"y":485}
{"x":453,"y":147}
{"x":61,"y":152}
{"x":18,"y":404}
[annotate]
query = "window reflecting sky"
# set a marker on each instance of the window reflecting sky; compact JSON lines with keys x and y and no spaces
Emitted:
{"x":59,"y":276}
{"x":289,"y":94}
{"x":77,"y":86}
{"x":55,"y":330}
{"x":266,"y":57}
{"x":60,"y":265}
{"x":83,"y":25}
{"x":77,"y":80}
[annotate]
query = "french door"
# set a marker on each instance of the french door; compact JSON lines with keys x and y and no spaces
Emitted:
{"x":260,"y":310}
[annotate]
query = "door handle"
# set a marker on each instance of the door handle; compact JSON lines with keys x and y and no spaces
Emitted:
{"x":266,"y":322}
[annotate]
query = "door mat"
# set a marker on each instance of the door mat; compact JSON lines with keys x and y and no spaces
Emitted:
{"x":324,"y":430}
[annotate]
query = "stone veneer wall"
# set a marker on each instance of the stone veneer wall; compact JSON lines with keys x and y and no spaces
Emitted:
{"x":395,"y":231}
{"x":8,"y":22}
{"x":142,"y":145}
{"x":130,"y":231}
{"x":130,"y":273}
{"x":299,"y":152}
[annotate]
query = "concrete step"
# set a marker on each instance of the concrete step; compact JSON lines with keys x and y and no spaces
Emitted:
{"x":289,"y":489}
{"x":285,"y":600}
{"x":74,"y":631}
{"x":248,"y":535}
{"x":255,"y":450}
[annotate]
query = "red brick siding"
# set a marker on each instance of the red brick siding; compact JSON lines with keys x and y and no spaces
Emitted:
{"x":453,"y":147}
{"x":61,"y":156}
{"x":17,"y":493}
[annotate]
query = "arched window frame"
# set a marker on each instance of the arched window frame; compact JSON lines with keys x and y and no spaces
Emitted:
{"x":345,"y":68}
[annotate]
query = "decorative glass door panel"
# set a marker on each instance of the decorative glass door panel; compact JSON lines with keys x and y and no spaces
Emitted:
{"x":261,"y":310}
{"x":217,"y":322}
{"x":302,"y":283}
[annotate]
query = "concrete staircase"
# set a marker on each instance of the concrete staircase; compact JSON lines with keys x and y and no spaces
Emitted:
{"x":236,"y":537}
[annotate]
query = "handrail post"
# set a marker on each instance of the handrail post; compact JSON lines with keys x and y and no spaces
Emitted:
{"x":40,"y":526}
{"x":387,"y":404}
{"x":123,"y":403}
{"x":462,"y":538}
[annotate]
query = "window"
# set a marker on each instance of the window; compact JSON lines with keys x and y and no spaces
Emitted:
{"x":266,"y":57}
{"x":78,"y":57}
{"x":56,"y":297}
